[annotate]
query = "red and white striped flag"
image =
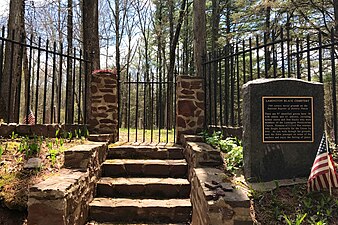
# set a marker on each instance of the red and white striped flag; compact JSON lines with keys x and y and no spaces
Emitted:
{"x":30,"y":117}
{"x":323,"y":173}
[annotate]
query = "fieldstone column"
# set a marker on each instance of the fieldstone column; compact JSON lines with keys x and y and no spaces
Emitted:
{"x":104,"y":103}
{"x":190,"y":106}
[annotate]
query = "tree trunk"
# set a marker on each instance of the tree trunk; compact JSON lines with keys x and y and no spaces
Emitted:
{"x":335,"y":7}
{"x":185,"y":44}
{"x":215,"y":18}
{"x":117,"y":36}
{"x":172,"y":53}
{"x":268,"y":32}
{"x":91,"y":31}
{"x":69,"y":89}
{"x":199,"y":35}
{"x":90,"y":40}
{"x":13,"y":62}
{"x":159,"y":30}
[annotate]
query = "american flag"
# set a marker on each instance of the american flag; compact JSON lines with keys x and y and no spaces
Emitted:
{"x":323,"y":173}
{"x":30,"y":117}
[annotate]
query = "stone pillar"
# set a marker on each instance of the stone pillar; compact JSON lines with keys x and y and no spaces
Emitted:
{"x":189,"y":106}
{"x":104,"y":103}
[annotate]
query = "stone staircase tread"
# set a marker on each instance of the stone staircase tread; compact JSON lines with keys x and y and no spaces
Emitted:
{"x":139,"y":203}
{"x":145,"y":168}
{"x":145,"y":152}
{"x":146,"y":147}
{"x":142,"y":181}
{"x":95,"y":223}
{"x":147,"y":161}
{"x":147,"y":187}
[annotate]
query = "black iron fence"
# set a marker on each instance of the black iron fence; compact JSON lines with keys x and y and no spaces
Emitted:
{"x":41,"y":83}
{"x":280,"y":54}
{"x":147,"y":108}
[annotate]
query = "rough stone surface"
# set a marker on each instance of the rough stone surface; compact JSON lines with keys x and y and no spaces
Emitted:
{"x":64,"y":198}
{"x":45,"y":130}
{"x":231,"y":206}
{"x":143,"y":187}
{"x":200,"y":154}
{"x":190,"y":106}
{"x":33,"y":163}
{"x":145,"y":152}
{"x":214,"y":201}
{"x":101,"y":138}
{"x":104,"y":94}
{"x":145,"y":168}
{"x":140,"y":210}
{"x":228,"y":131}
{"x":278,"y":160}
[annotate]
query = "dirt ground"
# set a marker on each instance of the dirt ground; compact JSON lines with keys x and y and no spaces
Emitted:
{"x":15,"y":180}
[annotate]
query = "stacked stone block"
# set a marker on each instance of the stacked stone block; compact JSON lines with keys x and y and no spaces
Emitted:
{"x":104,"y":103}
{"x":209,"y":206}
{"x":190,"y":106}
{"x":64,"y":199}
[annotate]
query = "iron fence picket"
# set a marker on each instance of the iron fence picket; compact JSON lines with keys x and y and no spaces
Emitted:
{"x":281,"y":56}
{"x":146,"y":101}
{"x":43,"y":83}
{"x":334,"y":93}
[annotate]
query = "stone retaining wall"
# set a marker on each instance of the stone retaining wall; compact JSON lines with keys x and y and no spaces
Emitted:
{"x":45,"y":130}
{"x":227,"y":131}
{"x":215,"y":201}
{"x":63,"y":199}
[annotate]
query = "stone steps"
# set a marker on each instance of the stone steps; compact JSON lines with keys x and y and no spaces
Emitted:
{"x":143,"y":187}
{"x":140,"y":210}
{"x":144,"y":152}
{"x":107,"y":223}
{"x":145,"y":168}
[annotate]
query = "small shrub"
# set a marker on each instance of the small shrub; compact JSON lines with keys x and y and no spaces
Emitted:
{"x":232,"y":147}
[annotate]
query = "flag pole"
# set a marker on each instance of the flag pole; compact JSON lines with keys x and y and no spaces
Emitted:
{"x":328,"y":160}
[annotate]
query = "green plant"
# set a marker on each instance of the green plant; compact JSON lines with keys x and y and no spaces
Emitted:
{"x":14,"y":135}
{"x":234,"y":153}
{"x":30,"y":147}
{"x":1,"y":151}
{"x":77,"y":134}
{"x":214,"y":139}
{"x":56,"y":142}
{"x":69,"y":135}
{"x":57,"y":132}
{"x":298,"y":220}
{"x":232,"y":147}
{"x":24,"y":146}
{"x":204,"y":134}
{"x":52,"y":155}
{"x":229,"y":143}
{"x":234,"y":158}
{"x":86,"y":132}
{"x":254,"y":194}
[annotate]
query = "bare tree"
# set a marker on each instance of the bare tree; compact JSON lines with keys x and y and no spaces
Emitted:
{"x":13,"y":62}
{"x":199,"y":35}
{"x":174,"y":38}
{"x":70,"y":37}
{"x":91,"y":30}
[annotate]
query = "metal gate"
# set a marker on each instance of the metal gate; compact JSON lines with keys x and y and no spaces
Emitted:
{"x":147,"y":108}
